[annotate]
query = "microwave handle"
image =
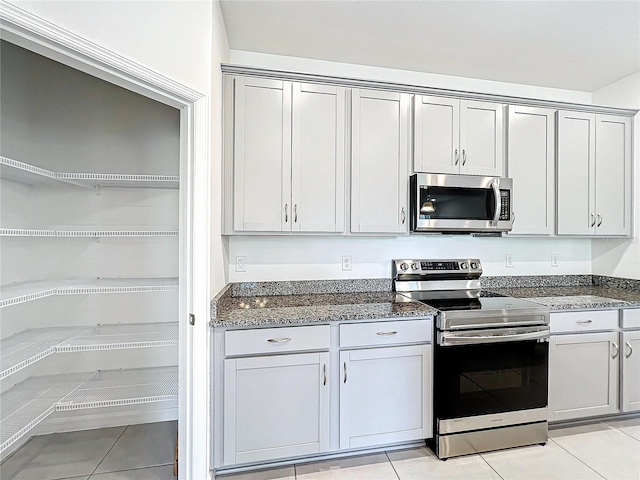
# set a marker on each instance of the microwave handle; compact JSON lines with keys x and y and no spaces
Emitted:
{"x":496,"y":213}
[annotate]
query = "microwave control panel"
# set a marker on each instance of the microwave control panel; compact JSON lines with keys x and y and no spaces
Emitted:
{"x":505,"y":205}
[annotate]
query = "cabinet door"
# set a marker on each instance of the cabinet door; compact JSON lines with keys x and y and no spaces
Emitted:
{"x":275,"y":407}
{"x":317,"y":172}
{"x":576,"y":150}
{"x":481,"y":138}
{"x":583,"y":375}
{"x":613,"y":175}
{"x":385,"y":396}
{"x":436,"y":131}
{"x":531,"y":165}
{"x":630,"y":350}
{"x":262,"y":155}
{"x":380,"y":160}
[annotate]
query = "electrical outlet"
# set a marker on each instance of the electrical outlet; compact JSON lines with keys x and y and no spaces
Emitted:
{"x":509,"y":260}
{"x":346,"y":262}
{"x":554,"y":260}
{"x":241,"y":264}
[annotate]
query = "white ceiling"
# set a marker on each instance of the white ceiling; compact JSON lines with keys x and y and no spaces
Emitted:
{"x":568,"y":44}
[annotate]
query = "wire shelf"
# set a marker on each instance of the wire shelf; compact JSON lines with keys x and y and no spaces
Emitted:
{"x":19,"y":232}
{"x":29,"y":402}
{"x":92,"y":180}
{"x":123,"y":387}
{"x":28,"y":291}
{"x":117,"y":337}
{"x":26,"y":348}
{"x":25,"y":173}
{"x":30,"y":174}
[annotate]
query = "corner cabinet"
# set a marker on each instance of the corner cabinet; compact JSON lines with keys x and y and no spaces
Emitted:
{"x":457,"y":136}
{"x":531,"y":165}
{"x":594,"y":174}
{"x":380,"y":161}
{"x":288,"y":156}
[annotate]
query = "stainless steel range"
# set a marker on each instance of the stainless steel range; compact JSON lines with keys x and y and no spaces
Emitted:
{"x":491,"y":358}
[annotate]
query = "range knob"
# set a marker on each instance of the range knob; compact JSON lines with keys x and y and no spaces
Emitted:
{"x":463,"y":265}
{"x":404,"y":266}
{"x":474,"y":265}
{"x":415,"y":266}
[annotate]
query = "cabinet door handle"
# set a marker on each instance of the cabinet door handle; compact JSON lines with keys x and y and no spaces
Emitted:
{"x":630,"y":349}
{"x":599,"y":219}
{"x":593,"y":219}
{"x":286,"y":212}
{"x":324,"y":374}
{"x":279,"y":340}
{"x":295,"y":213}
{"x":584,"y":321}
{"x":345,"y":372}
{"x":464,"y":158}
{"x":617,"y":350}
{"x":457,"y":157}
{"x":386,"y":334}
{"x":404,"y":215}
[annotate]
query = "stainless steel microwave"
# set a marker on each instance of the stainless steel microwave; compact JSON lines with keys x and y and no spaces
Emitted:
{"x":460,"y":203}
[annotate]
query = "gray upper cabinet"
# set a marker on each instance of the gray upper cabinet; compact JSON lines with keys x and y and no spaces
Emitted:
{"x":594,"y":174}
{"x":457,"y":136}
{"x":379,"y":161}
{"x":288,"y":157}
{"x":531,"y":165}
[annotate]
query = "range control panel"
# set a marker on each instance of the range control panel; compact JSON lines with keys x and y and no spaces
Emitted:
{"x":425,"y":268}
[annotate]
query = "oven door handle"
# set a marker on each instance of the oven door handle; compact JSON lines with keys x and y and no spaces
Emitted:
{"x":496,"y":213}
{"x":453,"y":339}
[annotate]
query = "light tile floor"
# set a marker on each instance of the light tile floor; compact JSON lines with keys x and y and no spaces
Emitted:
{"x":136,"y":452}
{"x":599,"y":450}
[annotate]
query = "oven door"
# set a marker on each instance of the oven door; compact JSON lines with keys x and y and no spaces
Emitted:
{"x":460,"y":203}
{"x":491,"y":373}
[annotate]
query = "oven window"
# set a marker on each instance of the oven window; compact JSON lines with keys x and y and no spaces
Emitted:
{"x":456,"y":203}
{"x":490,"y":378}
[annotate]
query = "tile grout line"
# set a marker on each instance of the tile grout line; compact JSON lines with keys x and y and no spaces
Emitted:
{"x":105,"y":455}
{"x":392,"y":466}
{"x":131,"y":469}
{"x":580,"y":460}
{"x":16,"y":451}
{"x":622,"y":431}
{"x":490,"y":466}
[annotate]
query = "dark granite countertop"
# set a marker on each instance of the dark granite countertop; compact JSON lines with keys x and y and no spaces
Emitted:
{"x":575,"y":297}
{"x":272,"y":310}
{"x":263,"y":304}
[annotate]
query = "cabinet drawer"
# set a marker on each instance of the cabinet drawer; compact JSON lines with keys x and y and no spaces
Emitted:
{"x":630,"y":318}
{"x":276,"y":340}
{"x":385,"y":333}
{"x":587,"y":321}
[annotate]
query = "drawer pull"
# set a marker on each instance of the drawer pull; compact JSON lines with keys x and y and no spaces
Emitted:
{"x":617,"y":350}
{"x":630,"y":349}
{"x":386,"y":334}
{"x":279,"y":340}
{"x":584,"y":321}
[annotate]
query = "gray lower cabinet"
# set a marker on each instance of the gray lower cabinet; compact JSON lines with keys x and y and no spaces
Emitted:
{"x":385,"y":396}
{"x":583,"y":375}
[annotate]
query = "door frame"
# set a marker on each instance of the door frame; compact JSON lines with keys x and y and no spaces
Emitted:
{"x":28,"y":31}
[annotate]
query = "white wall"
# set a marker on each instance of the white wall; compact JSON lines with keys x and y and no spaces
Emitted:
{"x":621,"y":258}
{"x":313,"y":257}
{"x":297,"y":258}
